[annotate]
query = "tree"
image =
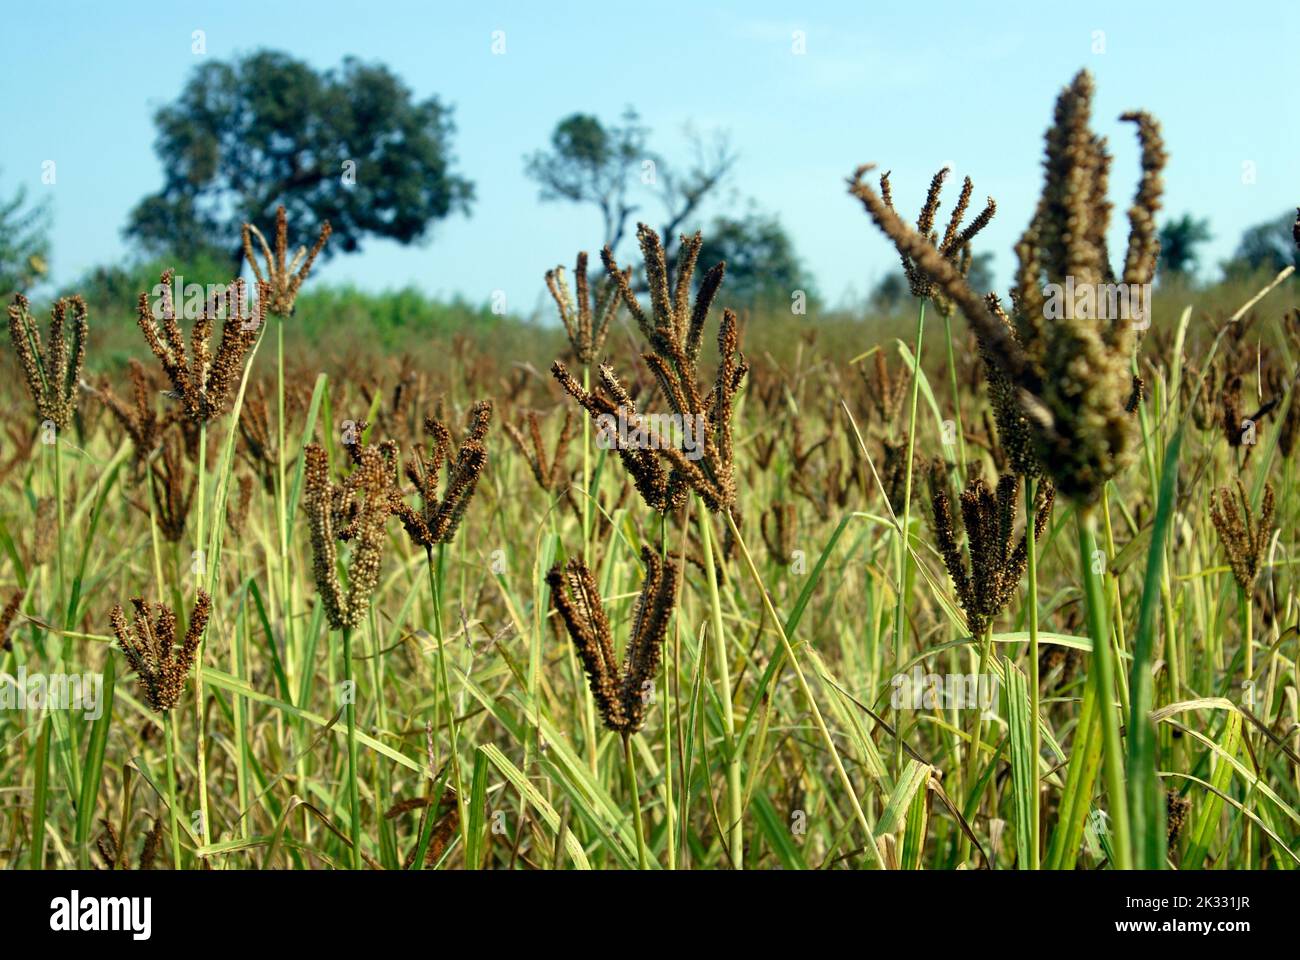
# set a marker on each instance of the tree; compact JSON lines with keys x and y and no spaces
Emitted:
{"x":1266,"y":246}
{"x":598,"y":164}
{"x":980,"y":276}
{"x":682,"y":193}
{"x":890,"y":293}
{"x":1179,"y":239}
{"x":762,"y":265}
{"x":591,"y":163}
{"x":24,"y":243}
{"x":349,"y":145}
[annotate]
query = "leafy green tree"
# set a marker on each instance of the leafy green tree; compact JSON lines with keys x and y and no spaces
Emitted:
{"x":1266,"y":246}
{"x":762,"y":265}
{"x":350,"y":145}
{"x":1179,"y":239}
{"x":24,"y":243}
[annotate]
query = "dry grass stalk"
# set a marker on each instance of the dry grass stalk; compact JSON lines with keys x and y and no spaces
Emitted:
{"x":7,"y":616}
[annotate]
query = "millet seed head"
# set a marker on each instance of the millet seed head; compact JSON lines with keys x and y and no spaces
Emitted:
{"x":53,"y":370}
{"x":1070,"y":375}
{"x":620,"y":691}
{"x":997,"y":556}
{"x":282,"y":277}
{"x":202,"y":380}
{"x":586,"y":320}
{"x":151,"y":651}
{"x":1245,"y":536}
{"x":440,"y":515}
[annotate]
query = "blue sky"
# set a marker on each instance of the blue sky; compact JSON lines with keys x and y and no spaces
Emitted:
{"x":910,"y":87}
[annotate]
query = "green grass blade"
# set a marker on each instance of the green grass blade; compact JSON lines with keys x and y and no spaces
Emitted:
{"x":1024,"y":765}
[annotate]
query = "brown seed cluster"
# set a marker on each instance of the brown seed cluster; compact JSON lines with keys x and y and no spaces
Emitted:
{"x":113,"y":851}
{"x":551,"y":476}
{"x":674,"y":328}
{"x":7,"y":617}
{"x":955,"y":245}
{"x":607,"y":402}
{"x":885,"y":390}
{"x":439,"y":516}
{"x":283,"y":277}
{"x":780,"y":527}
{"x":893,"y":473}
{"x":620,"y":691}
{"x":52,"y":370}
{"x":1015,"y":432}
{"x":202,"y":380}
{"x":1176,"y":809}
{"x":151,"y":650}
{"x":21,"y":440}
{"x":137,"y":416}
{"x":997,"y":556}
{"x":173,"y":490}
{"x":1244,"y":536}
{"x":259,"y":440}
{"x":355,"y":511}
{"x":1071,"y":377}
{"x":237,"y":509}
{"x":44,"y":536}
{"x":586,"y":321}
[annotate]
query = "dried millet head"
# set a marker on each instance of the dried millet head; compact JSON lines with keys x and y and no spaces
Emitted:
{"x":283,"y":277}
{"x":52,"y":370}
{"x":1071,"y":377}
{"x":586,"y":321}
{"x":1245,"y":536}
{"x":619,"y":690}
{"x":151,"y":651}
